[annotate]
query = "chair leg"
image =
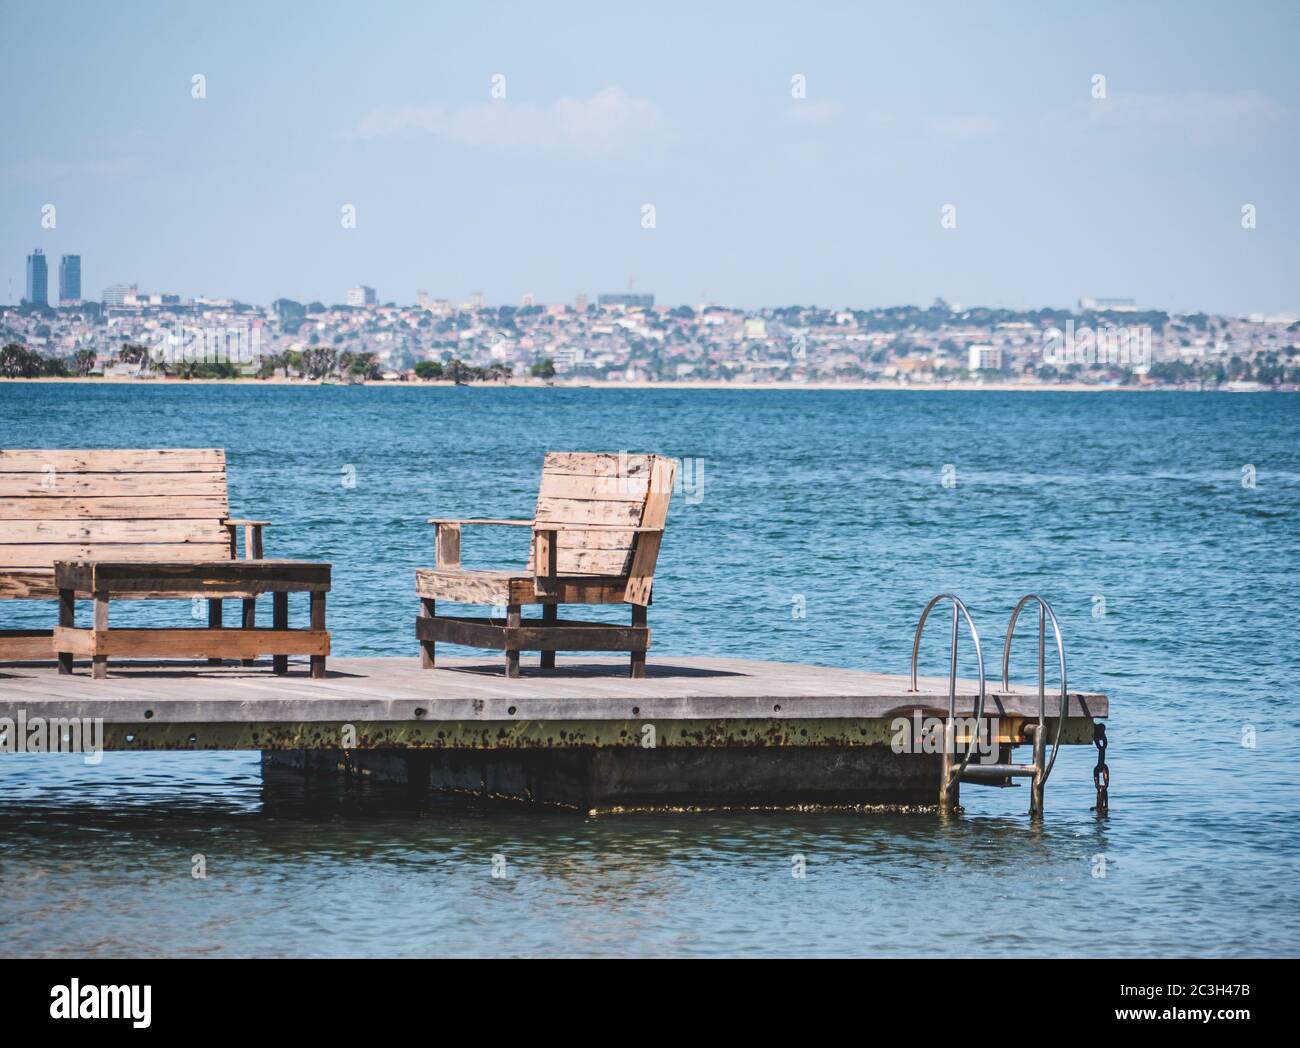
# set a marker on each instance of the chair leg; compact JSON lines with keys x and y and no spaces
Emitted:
{"x":249,"y":623}
{"x":214,"y":622}
{"x":99,"y":663}
{"x":67,"y":617}
{"x":317,"y":623}
{"x":427,"y":608}
{"x":638,"y":657}
{"x":512,"y":654}
{"x":550,"y":612}
{"x":280,"y":621}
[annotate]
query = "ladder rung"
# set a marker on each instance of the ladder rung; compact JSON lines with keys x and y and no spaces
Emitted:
{"x":998,"y":771}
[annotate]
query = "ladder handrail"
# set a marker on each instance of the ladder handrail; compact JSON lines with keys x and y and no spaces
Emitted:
{"x":949,"y":727}
{"x":1045,"y":612}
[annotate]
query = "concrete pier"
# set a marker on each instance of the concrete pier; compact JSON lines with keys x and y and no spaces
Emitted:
{"x":696,"y":732}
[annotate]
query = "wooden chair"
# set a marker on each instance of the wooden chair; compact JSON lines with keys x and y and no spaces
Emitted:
{"x":595,"y":539}
{"x":143,"y":524}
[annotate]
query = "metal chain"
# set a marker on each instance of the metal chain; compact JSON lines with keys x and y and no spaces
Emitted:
{"x":1101,"y":773}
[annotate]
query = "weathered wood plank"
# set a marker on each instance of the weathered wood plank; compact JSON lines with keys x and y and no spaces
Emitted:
{"x":92,"y":531}
{"x":588,"y":511}
{"x":27,"y":584}
{"x":596,"y":463}
{"x":112,"y":460}
{"x":64,"y":485}
{"x":190,"y":643}
{"x":470,"y":586}
{"x":25,"y":644}
{"x":565,"y":635}
{"x":112,"y":507}
{"x":575,"y":486}
{"x":35,"y":556}
{"x":224,"y":576}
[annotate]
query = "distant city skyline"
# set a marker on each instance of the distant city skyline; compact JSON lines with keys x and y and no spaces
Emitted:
{"x":1006,"y":155}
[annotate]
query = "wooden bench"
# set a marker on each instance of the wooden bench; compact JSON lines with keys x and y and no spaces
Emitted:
{"x":595,"y":538}
{"x":143,"y":524}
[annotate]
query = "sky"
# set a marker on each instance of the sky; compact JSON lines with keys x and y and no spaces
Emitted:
{"x":842,"y":155}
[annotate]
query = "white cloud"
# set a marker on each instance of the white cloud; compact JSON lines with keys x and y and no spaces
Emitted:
{"x":963,"y":128}
{"x":819,"y":111}
{"x":50,"y":169}
{"x":610,"y":121}
{"x":1199,"y":115}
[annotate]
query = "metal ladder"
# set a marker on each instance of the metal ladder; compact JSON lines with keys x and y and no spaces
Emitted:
{"x":1038,"y":770}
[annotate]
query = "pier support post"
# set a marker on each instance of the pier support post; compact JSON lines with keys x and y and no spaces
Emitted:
{"x":249,"y":622}
{"x":428,"y":606}
{"x":638,"y":657}
{"x":550,"y":612}
{"x":512,"y":654}
{"x":99,"y":663}
{"x":214,"y":622}
{"x":280,"y":621}
{"x":67,"y":617}
{"x":317,"y":618}
{"x":1037,"y":785}
{"x":949,"y":788}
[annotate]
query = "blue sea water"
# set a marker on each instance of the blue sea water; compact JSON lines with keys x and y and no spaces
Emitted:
{"x":1177,"y":584}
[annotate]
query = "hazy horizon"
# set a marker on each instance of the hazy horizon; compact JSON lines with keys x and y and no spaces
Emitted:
{"x":760,"y":198}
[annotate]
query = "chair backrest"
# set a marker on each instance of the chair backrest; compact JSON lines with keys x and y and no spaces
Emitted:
{"x":608,"y":488}
{"x":157,"y":504}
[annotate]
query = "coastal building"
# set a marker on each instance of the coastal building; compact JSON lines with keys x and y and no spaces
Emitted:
{"x":1110,"y":305}
{"x":984,"y":358}
{"x":69,"y":279}
{"x":361,"y":296}
{"x":627,"y":300}
{"x":38,"y":280}
{"x":115,"y":294}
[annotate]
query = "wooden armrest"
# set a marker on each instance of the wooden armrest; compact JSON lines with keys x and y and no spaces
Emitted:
{"x":448,"y":536}
{"x":439,"y":521}
{"x":233,"y":522}
{"x":594,"y":527}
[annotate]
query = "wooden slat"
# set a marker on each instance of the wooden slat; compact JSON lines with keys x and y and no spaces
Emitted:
{"x":565,"y":635}
{"x":641,"y":573}
{"x":579,"y":511}
{"x":190,"y":643}
{"x":27,"y":584}
{"x":113,"y":460}
{"x":571,"y":486}
{"x":108,"y":507}
{"x":590,"y":561}
{"x":596,"y":463}
{"x":37,"y":556}
{"x":219,"y":576}
{"x":93,"y":532}
{"x":593,"y":561}
{"x":468,"y":586}
{"x":38,"y":584}
{"x":595,"y":538}
{"x":62,"y":485}
{"x":22,"y":645}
